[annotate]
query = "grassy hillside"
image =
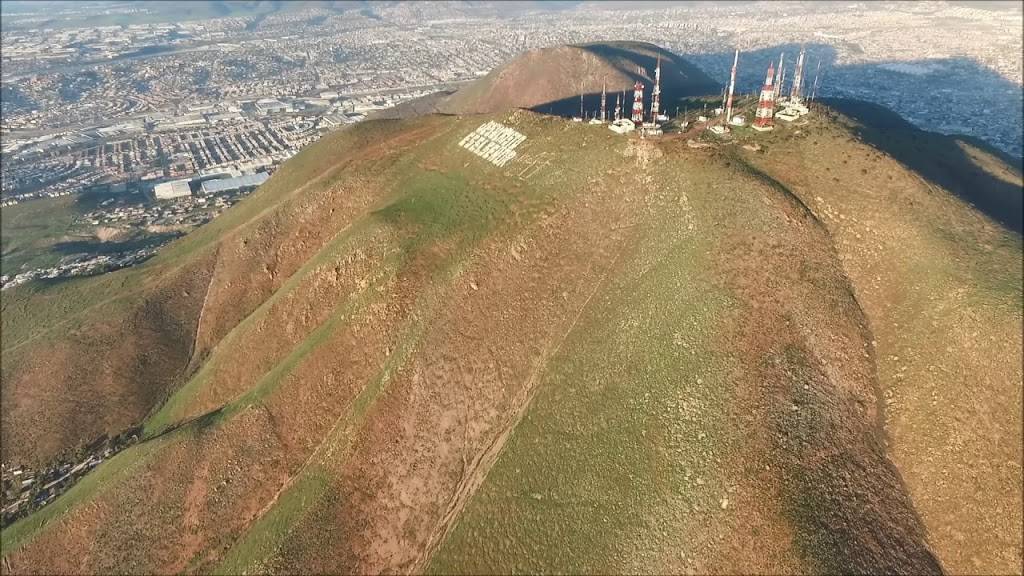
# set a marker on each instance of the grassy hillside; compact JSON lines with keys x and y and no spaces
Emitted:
{"x":28,"y":230}
{"x":611,"y":355}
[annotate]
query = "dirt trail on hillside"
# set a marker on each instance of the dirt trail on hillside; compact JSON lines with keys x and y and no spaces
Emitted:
{"x":447,"y":405}
{"x":476,"y":472}
{"x":484,"y":460}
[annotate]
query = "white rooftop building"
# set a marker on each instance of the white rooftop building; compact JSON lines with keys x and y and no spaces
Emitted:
{"x":787,"y":115}
{"x":622,"y":126}
{"x":244,"y":182}
{"x":172,"y":189}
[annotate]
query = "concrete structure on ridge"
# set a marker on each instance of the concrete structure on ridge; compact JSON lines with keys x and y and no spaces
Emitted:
{"x":622,"y":126}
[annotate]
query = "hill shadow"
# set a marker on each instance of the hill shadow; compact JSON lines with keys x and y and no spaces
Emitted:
{"x":939,"y":159}
{"x":908,"y":91}
{"x":92,"y":246}
{"x":948,"y":95}
{"x":691,"y":82}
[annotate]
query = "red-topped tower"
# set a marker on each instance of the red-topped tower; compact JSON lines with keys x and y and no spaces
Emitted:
{"x":638,"y":103}
{"x":766,"y":104}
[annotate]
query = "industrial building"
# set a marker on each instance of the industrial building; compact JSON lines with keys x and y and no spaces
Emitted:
{"x":270,"y":106}
{"x":172,"y":189}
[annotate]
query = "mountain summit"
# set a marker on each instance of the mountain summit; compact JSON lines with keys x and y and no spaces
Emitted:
{"x":508,"y":342}
{"x":550,"y":80}
{"x":553,"y":79}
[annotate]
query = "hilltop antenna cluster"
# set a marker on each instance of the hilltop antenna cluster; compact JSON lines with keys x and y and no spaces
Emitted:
{"x":794,"y":107}
{"x":769,"y":97}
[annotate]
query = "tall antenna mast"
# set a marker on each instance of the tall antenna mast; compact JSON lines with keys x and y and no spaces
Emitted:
{"x":581,"y":101}
{"x":656,"y":94}
{"x":732,"y":86}
{"x":604,"y":96}
{"x":798,"y":77}
{"x":778,"y":78}
{"x":814,"y":89}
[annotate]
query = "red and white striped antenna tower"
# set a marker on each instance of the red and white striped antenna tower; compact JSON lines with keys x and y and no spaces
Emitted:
{"x":766,"y":103}
{"x":604,"y":96}
{"x":638,"y":103}
{"x":732,"y":86}
{"x":798,"y":77}
{"x":656,"y":94}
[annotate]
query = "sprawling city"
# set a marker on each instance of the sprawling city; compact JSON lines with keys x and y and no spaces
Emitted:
{"x":134,"y":97}
{"x":527,"y":274}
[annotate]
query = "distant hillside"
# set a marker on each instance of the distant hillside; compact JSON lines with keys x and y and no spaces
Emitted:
{"x":550,"y":80}
{"x":76,"y":13}
{"x":784,"y":352}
